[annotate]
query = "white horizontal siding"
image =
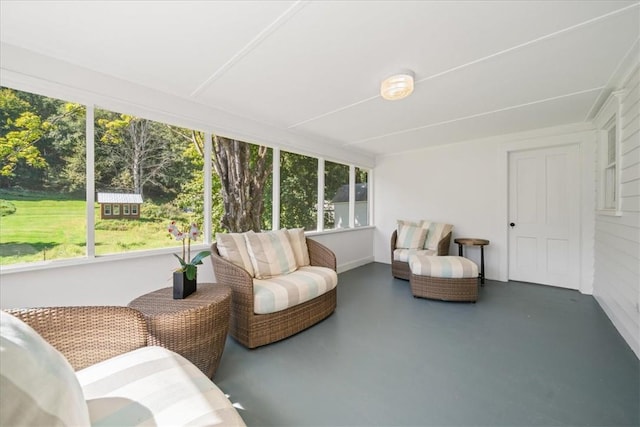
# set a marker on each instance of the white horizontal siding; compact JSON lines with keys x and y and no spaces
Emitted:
{"x":617,"y":239}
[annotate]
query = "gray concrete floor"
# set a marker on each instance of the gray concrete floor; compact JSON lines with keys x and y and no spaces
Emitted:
{"x":524,"y":354}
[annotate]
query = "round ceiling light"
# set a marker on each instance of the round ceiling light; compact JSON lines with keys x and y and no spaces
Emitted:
{"x":397,"y":86}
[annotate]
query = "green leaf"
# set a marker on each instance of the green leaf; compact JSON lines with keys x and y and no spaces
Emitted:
{"x":182,"y":263}
{"x":197,"y":260}
{"x":190,"y":271}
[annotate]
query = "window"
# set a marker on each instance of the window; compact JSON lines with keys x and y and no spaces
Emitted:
{"x":608,"y":122}
{"x":42,"y":178}
{"x":336,"y":195}
{"x":298,"y":191}
{"x":610,"y":169}
{"x":362,"y":198}
{"x":140,"y":158}
{"x":107,"y":210}
{"x":125,"y":209}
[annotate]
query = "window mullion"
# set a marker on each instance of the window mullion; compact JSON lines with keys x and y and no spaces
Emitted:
{"x":90,"y":182}
{"x":208,"y":196}
{"x":320,"y":202}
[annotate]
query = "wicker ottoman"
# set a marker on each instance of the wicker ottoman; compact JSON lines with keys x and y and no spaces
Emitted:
{"x":449,"y":278}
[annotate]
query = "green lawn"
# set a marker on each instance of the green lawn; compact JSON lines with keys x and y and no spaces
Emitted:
{"x":46,"y":226}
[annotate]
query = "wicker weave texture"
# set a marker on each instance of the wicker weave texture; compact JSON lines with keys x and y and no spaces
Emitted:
{"x":87,"y":335}
{"x":195,"y":327}
{"x":401,"y":269}
{"x":254,"y":330}
{"x":444,"y":288}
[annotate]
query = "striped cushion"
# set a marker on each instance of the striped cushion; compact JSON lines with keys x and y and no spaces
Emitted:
{"x":299,"y":245}
{"x":449,"y":267}
{"x":233,"y":248}
{"x":437,"y":231}
{"x":153,"y":386}
{"x":404,"y":254}
{"x":282,"y":292}
{"x":410,"y":236}
{"x":270,"y":253}
{"x":38,"y":385}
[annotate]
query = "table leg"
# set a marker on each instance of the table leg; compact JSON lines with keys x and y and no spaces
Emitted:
{"x":459,"y":249}
{"x":481,"y":265}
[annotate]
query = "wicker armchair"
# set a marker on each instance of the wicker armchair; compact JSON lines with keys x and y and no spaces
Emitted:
{"x":401,"y":269}
{"x":254,"y":330}
{"x":87,"y":335}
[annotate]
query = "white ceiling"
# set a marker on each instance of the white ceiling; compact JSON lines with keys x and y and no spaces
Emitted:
{"x":482,"y":68}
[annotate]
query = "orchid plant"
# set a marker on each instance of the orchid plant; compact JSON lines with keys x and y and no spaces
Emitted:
{"x":189,"y":268}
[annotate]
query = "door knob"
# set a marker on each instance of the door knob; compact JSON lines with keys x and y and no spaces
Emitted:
{"x":513,"y":224}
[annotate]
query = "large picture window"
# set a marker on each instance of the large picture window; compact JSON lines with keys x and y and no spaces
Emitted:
{"x":42,"y":178}
{"x":298,"y":191}
{"x":154,"y":162}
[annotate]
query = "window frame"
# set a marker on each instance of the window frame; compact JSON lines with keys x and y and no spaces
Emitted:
{"x":608,"y":169}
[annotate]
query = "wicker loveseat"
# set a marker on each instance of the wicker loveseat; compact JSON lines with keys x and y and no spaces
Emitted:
{"x":252,"y":329}
{"x":92,"y":366}
{"x":435,"y":241}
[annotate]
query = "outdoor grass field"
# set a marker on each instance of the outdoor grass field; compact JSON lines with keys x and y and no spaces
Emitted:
{"x":48,"y":226}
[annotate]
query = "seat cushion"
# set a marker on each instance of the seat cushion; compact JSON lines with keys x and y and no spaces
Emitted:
{"x":39,"y":386}
{"x":154,"y":386}
{"x":450,"y":267}
{"x":270,"y":253}
{"x":403,"y":255}
{"x":282,"y":292}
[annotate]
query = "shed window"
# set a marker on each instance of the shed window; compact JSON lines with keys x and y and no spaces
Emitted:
{"x":107,"y":209}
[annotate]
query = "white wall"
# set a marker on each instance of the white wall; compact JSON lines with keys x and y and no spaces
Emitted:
{"x":617,"y":238}
{"x":118,"y":281}
{"x":465,"y":185}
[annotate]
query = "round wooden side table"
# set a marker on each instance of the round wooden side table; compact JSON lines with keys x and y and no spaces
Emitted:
{"x":474,"y":242}
{"x":195,"y":327}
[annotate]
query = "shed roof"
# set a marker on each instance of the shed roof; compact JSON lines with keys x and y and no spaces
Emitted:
{"x":119,"y":198}
{"x":342,"y":195}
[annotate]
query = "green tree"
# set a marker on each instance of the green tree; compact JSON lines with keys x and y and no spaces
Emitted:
{"x":298,"y":191}
{"x":243,"y":173}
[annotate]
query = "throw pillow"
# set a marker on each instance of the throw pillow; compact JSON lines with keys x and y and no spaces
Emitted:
{"x":270,"y":253}
{"x":299,"y":246}
{"x":437,"y":231}
{"x":233,"y":248}
{"x":410,"y":237}
{"x":39,"y":386}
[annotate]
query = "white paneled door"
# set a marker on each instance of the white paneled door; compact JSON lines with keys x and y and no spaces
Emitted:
{"x":544,"y":216}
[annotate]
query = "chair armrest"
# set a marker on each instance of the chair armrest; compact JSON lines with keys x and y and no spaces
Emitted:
{"x":444,"y":244}
{"x":394,"y":239}
{"x":237,"y":278}
{"x":87,"y":335}
{"x":320,"y":255}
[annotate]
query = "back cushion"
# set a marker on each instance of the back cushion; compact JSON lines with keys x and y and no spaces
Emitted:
{"x":270,"y":253}
{"x":410,"y":236}
{"x":39,"y":386}
{"x":437,"y":231}
{"x":299,"y":246}
{"x":233,"y":248}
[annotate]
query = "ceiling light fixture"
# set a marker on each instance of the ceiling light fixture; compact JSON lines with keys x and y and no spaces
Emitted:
{"x":397,"y":86}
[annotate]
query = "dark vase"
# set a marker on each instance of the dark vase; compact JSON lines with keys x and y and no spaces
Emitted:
{"x":183,"y":287}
